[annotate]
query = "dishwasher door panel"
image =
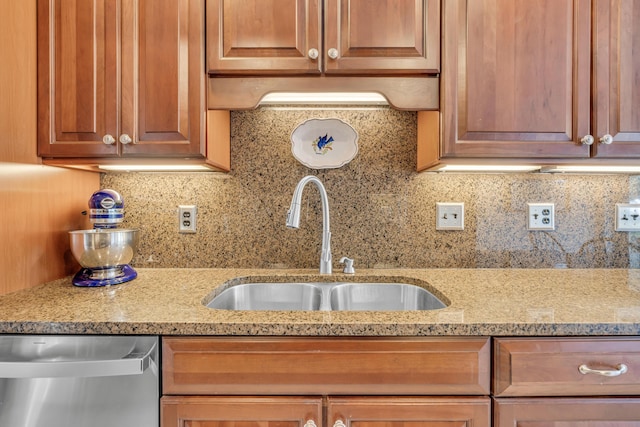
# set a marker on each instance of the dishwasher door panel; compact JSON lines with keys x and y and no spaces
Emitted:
{"x":79,"y":381}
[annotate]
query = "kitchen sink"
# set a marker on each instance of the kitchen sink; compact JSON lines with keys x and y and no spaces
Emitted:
{"x":325,"y":296}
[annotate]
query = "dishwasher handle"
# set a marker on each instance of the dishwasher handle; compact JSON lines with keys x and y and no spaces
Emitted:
{"x":134,"y":363}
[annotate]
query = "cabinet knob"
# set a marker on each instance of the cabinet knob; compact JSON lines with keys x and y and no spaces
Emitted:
{"x":333,"y":53}
{"x":313,"y":53}
{"x":125,"y":139}
{"x":339,"y":423}
{"x":310,"y":423}
{"x":108,"y":139}
{"x":607,"y":139}
{"x":587,"y":140}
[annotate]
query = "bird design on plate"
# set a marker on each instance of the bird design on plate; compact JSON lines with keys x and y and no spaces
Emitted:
{"x":323,"y":144}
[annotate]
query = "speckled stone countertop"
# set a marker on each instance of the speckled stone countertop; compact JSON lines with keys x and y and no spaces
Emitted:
{"x":481,"y":302}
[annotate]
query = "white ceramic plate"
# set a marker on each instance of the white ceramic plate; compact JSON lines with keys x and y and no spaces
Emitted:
{"x":324,"y":143}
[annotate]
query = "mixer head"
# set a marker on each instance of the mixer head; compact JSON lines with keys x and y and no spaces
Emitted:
{"x":106,"y":209}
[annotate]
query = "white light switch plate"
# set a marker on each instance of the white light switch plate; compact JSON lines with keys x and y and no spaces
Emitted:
{"x":627,"y":217}
{"x":449,"y":216}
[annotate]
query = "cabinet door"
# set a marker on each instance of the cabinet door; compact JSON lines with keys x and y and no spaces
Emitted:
{"x":77,"y":77}
{"x":382,"y":36}
{"x":284,"y":411}
{"x":617,"y":77}
{"x":163,"y":86}
{"x":264,"y":36}
{"x":409,"y":411}
{"x":557,"y":412}
{"x":516,"y":78}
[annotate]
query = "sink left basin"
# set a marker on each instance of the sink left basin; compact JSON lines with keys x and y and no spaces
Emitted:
{"x":269,"y":296}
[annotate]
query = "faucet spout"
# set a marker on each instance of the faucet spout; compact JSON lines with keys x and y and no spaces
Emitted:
{"x":293,"y":218}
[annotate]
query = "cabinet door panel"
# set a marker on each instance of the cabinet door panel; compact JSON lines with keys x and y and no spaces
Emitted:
{"x":617,"y":77}
{"x":383,"y":36}
{"x":240,"y":411}
{"x":381,"y":366}
{"x":557,"y":412}
{"x":77,"y":77}
{"x":409,"y":412}
{"x":516,"y":78}
{"x":263,"y":36}
{"x":162,"y":81}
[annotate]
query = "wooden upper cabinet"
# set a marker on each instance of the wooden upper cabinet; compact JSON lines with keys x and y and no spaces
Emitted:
{"x":271,"y":37}
{"x":77,"y":77}
{"x":616,"y":100}
{"x":121,"y":69}
{"x":382,"y":36}
{"x":516,"y":78}
{"x":164,"y":76}
{"x":263,"y":36}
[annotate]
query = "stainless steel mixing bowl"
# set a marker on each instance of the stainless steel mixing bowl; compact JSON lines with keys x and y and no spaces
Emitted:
{"x":103,"y":248}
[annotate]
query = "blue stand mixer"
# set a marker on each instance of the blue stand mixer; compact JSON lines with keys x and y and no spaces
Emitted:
{"x":105,"y":251}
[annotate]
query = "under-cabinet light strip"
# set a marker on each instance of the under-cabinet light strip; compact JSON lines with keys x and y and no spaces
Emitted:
{"x":154,"y":168}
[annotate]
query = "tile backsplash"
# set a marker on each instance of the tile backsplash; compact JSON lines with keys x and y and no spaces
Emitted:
{"x":382,"y":211}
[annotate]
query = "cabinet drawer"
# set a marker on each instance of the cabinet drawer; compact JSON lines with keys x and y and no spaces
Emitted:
{"x":552,"y":366}
{"x":566,"y":412}
{"x":301,"y":366}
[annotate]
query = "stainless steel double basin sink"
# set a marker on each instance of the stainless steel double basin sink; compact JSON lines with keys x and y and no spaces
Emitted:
{"x":338,"y":296}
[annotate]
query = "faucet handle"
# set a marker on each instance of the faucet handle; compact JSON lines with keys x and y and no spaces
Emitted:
{"x":348,"y":265}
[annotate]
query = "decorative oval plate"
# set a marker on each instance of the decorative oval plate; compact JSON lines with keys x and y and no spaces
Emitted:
{"x":324,"y":143}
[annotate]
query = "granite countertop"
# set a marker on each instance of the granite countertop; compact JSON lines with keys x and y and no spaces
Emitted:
{"x":498,"y":302}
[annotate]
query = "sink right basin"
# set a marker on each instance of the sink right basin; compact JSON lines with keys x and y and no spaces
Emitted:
{"x":382,"y":297}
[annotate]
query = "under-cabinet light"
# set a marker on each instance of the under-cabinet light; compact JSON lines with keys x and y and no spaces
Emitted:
{"x":486,"y":168}
{"x":591,"y":169}
{"x":341,"y":98}
{"x":155,"y":168}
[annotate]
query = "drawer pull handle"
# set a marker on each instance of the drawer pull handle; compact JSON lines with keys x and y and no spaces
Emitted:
{"x":620,"y":369}
{"x":310,"y":423}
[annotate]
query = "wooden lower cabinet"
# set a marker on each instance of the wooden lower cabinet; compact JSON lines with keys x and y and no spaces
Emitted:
{"x":566,"y":382}
{"x":299,"y":411}
{"x":325,"y":382}
{"x":245,"y":411}
{"x":400,"y":382}
{"x":432,"y":411}
{"x":567,"y":412}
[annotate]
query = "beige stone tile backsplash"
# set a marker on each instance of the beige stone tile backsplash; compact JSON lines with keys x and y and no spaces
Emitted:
{"x":382,"y":211}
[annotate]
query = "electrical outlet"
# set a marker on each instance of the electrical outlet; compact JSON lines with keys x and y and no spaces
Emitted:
{"x":449,"y":216}
{"x":187,"y":218}
{"x":540,"y":216}
{"x":627,"y":217}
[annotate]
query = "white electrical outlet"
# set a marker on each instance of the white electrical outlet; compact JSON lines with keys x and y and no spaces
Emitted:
{"x":540,"y":216}
{"x":627,"y":217}
{"x":449,"y":216}
{"x":187,"y":218}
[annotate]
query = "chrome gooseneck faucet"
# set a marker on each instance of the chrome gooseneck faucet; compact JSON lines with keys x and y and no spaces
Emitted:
{"x":293,"y":219}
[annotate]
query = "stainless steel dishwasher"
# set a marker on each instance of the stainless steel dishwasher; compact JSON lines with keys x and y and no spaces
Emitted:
{"x":79,"y":381}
